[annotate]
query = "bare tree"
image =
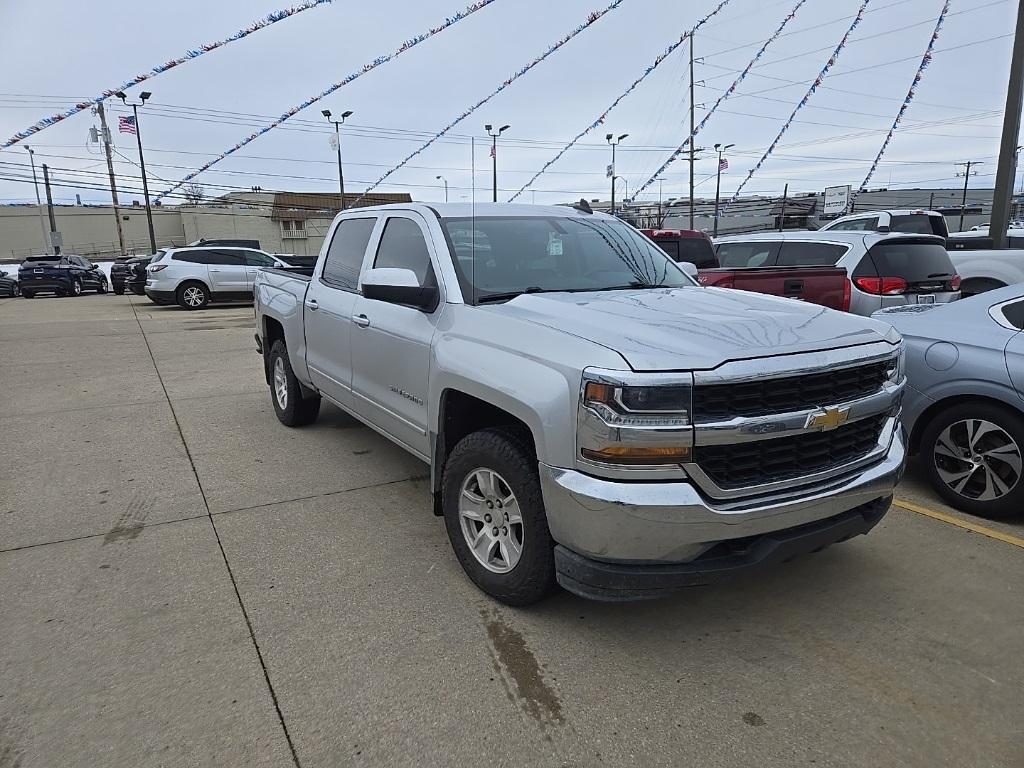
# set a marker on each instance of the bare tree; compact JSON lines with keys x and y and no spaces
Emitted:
{"x":193,"y":193}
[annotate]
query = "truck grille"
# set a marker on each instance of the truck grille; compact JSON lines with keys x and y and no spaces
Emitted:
{"x":717,"y":402}
{"x":785,"y":458}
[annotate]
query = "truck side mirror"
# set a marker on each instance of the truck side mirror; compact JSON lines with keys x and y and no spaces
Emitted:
{"x":399,"y":286}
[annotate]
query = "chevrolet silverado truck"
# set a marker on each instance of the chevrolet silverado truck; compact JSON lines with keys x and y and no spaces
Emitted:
{"x":591,"y":415}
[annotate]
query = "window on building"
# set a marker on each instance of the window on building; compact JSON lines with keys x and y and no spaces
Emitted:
{"x":293,"y":228}
{"x":345,"y":255}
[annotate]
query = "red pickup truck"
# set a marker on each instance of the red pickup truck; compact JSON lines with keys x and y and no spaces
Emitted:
{"x":827,"y":286}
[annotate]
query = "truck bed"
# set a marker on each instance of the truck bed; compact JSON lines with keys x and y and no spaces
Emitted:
{"x":827,"y":286}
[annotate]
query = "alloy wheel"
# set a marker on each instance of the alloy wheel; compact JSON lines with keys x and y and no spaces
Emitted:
{"x":491,"y":520}
{"x":193,"y":296}
{"x":280,"y":384}
{"x":977,"y":459}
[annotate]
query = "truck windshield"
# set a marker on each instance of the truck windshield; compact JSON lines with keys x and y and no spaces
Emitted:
{"x":500,"y":257}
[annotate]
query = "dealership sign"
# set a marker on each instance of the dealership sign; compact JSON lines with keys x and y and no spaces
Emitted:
{"x":837,"y":200}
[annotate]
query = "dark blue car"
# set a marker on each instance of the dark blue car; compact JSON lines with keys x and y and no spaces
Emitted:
{"x":62,"y":275}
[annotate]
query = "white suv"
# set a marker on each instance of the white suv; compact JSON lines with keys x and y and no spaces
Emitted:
{"x":194,"y":277}
{"x":907,"y":221}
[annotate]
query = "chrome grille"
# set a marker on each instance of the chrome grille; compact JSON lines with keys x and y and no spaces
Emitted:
{"x":762,"y":397}
{"x":769,"y":461}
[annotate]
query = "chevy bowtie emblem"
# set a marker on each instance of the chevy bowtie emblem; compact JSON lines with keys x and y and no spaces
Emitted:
{"x":828,"y":419}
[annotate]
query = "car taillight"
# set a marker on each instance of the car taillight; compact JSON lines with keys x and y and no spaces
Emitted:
{"x":954,"y":284}
{"x":847,"y":295}
{"x":882,"y":286}
{"x":157,"y":267}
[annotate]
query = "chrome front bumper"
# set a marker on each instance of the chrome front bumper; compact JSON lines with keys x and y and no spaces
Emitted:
{"x":645,"y":523}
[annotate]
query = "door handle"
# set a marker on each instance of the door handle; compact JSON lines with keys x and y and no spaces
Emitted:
{"x":361,"y":320}
{"x":312,"y":304}
{"x":215,"y":270}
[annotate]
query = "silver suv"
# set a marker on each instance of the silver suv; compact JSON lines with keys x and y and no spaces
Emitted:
{"x":194,"y":277}
{"x":885,"y":270}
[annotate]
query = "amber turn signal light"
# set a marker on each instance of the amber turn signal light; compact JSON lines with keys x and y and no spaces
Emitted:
{"x":622,"y":454}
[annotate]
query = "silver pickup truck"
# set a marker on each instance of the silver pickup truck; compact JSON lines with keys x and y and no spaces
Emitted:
{"x":591,"y":415}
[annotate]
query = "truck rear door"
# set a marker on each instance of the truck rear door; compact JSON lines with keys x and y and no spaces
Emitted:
{"x":329,"y":307}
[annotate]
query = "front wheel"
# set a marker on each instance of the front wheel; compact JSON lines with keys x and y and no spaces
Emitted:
{"x":494,"y":515}
{"x":118,"y":290}
{"x":28,"y":295}
{"x":102,"y":287}
{"x":15,"y":290}
{"x":973,"y":457}
{"x":292,"y":409}
{"x":75,"y":289}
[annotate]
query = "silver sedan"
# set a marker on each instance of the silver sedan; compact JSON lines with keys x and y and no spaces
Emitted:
{"x":964,"y":403}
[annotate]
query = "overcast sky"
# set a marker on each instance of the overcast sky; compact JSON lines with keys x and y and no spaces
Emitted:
{"x":54,"y":52}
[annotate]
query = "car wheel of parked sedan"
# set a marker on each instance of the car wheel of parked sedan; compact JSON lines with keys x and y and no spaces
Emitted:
{"x":973,"y":456}
{"x":494,"y":515}
{"x":15,"y":290}
{"x":291,"y":407}
{"x":193,"y":295}
{"x":118,"y":289}
{"x":76,"y":288}
{"x":28,"y":294}
{"x":102,"y":287}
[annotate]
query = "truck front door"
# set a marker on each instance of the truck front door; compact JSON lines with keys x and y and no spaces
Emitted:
{"x":330,"y":301}
{"x":391,"y":342}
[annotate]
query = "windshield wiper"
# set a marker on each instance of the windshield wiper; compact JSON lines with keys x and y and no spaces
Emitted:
{"x":511,"y":294}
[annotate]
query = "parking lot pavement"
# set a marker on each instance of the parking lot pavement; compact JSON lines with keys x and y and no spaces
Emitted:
{"x":187,"y":582}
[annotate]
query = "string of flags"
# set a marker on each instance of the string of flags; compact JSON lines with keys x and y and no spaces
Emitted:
{"x":407,"y":45}
{"x":807,"y":96}
{"x":925,"y":61}
{"x":728,"y":92}
{"x":193,"y":53}
{"x":594,"y":16}
{"x":601,"y":118}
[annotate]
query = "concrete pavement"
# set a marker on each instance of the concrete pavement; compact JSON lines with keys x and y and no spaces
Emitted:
{"x":187,"y":582}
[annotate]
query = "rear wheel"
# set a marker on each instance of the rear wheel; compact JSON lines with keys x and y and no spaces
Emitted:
{"x":193,"y":295}
{"x":973,"y":456}
{"x":494,"y":515}
{"x":75,"y":289}
{"x":292,"y":409}
{"x":102,"y":287}
{"x":28,"y":295}
{"x":118,"y":289}
{"x":15,"y":290}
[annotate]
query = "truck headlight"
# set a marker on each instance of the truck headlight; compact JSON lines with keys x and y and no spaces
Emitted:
{"x":625,"y":420}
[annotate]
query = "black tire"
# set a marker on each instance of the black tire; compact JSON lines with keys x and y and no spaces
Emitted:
{"x":532,"y":578}
{"x":15,"y":290}
{"x":300,"y":407}
{"x":1011,"y":503}
{"x":28,"y":295}
{"x":75,"y":289}
{"x":184,"y":295}
{"x":102,"y":287}
{"x":118,"y":290}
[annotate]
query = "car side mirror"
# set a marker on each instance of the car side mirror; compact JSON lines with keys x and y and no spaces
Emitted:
{"x":689,"y":268}
{"x":399,"y":286}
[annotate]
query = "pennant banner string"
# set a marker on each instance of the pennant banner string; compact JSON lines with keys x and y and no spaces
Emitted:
{"x":728,"y":92}
{"x":194,"y":53}
{"x":807,"y":97}
{"x":601,"y":118}
{"x":925,"y":61}
{"x":407,"y":45}
{"x":594,"y":16}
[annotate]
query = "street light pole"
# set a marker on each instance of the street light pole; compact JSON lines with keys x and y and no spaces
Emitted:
{"x":718,"y":183}
{"x":337,"y":144}
{"x":442,"y":178}
{"x":967,"y":178}
{"x":142,"y":160}
{"x":494,"y":155}
{"x":39,"y":202}
{"x":613,"y":140}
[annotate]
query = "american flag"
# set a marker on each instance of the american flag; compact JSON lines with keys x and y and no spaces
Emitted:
{"x":723,"y":164}
{"x":126,"y":124}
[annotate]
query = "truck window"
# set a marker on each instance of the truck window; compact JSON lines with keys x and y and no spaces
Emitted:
{"x":402,"y":247}
{"x":797,"y":254}
{"x":868,"y":224}
{"x":754,"y":253}
{"x":345,"y":255}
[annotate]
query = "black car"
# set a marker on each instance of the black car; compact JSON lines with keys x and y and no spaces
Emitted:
{"x":61,"y":274}
{"x":135,"y":274}
{"x":9,"y":285}
{"x":118,"y":274}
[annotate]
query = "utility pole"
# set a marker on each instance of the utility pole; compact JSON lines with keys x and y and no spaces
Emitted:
{"x":337,"y":145}
{"x":782,"y":215}
{"x":718,"y":182}
{"x":613,"y":140}
{"x":693,"y":110}
{"x":49,"y":210}
{"x":110,"y":170}
{"x":1005,"y":171}
{"x":661,"y":218}
{"x":963,"y":199}
{"x":39,"y":203}
{"x":494,"y":155}
{"x":142,"y":160}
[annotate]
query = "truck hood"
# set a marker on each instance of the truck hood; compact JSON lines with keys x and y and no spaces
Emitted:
{"x":693,"y":328}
